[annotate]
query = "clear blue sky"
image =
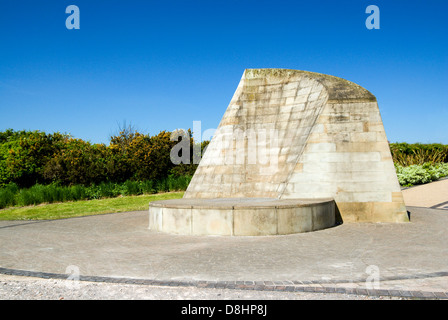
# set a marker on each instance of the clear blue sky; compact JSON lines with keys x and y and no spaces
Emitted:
{"x":161,"y":65}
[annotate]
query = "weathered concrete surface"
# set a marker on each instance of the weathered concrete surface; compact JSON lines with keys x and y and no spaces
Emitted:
{"x":241,"y":216}
{"x":292,"y":134}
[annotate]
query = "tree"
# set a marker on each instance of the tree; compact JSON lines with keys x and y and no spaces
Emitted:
{"x":78,"y":162}
{"x":150,"y":156}
{"x":27,"y":154}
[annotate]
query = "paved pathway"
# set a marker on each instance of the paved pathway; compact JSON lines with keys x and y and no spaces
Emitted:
{"x":30,"y":288}
{"x":408,"y":260}
{"x":431,"y":195}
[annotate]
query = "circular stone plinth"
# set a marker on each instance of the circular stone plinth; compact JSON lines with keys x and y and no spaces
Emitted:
{"x":241,"y":216}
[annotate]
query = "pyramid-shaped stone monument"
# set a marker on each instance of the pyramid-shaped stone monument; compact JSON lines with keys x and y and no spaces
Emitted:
{"x":295,"y":151}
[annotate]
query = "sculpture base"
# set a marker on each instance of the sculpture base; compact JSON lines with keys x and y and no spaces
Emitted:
{"x":241,"y":216}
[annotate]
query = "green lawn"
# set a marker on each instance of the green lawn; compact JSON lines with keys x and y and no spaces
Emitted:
{"x":84,"y":208}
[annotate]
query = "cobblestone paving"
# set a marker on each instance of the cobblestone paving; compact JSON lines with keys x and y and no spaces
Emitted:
{"x":26,"y":288}
{"x":407,"y":260}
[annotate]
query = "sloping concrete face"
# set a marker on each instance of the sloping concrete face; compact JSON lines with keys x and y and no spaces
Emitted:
{"x":291,"y":134}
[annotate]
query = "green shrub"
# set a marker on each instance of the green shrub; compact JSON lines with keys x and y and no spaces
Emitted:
{"x":132,"y":188}
{"x":420,"y":174}
{"x":33,"y":157}
{"x":148,"y":187}
{"x":103,"y":190}
{"x":26,"y":154}
{"x":178,"y":183}
{"x":12,"y":187}
{"x":77,"y":192}
{"x":77,"y":162}
{"x":29,"y":197}
{"x":406,"y":154}
{"x":8,"y":196}
{"x":11,"y":195}
{"x":162,"y":185}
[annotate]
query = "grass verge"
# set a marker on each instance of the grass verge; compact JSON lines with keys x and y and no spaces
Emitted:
{"x":84,"y":207}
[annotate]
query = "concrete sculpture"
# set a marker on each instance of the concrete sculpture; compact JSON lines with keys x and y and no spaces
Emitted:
{"x":295,"y":151}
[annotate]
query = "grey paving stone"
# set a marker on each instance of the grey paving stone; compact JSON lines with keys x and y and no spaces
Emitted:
{"x":441,"y":295}
{"x":427,"y":294}
{"x":405,"y":294}
{"x":350,"y":290}
{"x":383,"y":292}
{"x":279,"y":288}
{"x":396,"y":293}
{"x":417,"y":294}
{"x":361,"y":291}
{"x":299,"y":289}
{"x":267,"y":260}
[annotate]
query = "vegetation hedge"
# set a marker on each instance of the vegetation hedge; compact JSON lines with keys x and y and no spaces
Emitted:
{"x":420,"y":174}
{"x":37,"y":167}
{"x":28,"y":158}
{"x":406,"y":154}
{"x":12,"y":195}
